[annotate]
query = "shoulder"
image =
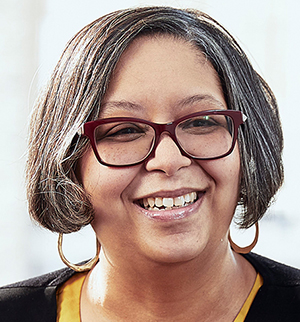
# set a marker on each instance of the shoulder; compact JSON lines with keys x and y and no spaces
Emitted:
{"x":273,"y":272}
{"x":33,"y":299}
{"x":279,"y":297}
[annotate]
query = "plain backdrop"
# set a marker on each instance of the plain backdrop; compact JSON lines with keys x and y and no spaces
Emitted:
{"x":32,"y":36}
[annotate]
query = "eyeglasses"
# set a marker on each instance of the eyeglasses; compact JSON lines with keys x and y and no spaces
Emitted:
{"x":126,"y":141}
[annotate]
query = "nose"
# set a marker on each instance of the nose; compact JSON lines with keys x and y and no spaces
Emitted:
{"x":167,"y":157}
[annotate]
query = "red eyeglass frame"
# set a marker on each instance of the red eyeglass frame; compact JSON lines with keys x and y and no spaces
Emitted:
{"x":88,"y":129}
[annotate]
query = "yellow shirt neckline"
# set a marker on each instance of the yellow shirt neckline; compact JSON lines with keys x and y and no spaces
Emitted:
{"x":247,"y":304}
{"x":68,"y":299}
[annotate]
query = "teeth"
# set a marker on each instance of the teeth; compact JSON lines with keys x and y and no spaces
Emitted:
{"x":187,"y":197}
{"x":168,"y":202}
{"x":151,"y":202}
{"x":145,"y":202}
{"x":179,"y":201}
{"x":159,"y":203}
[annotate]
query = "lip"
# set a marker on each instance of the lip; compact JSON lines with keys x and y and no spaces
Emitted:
{"x":173,"y":214}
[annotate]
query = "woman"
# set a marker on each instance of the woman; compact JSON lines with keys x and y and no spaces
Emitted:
{"x":153,"y":128}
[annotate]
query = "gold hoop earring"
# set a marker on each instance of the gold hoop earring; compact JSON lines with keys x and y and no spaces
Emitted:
{"x":78,"y":268}
{"x":244,"y":250}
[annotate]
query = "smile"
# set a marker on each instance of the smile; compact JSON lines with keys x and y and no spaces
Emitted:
{"x":162,"y":203}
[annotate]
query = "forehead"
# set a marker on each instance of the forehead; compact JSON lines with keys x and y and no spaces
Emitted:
{"x":162,"y":71}
{"x":148,"y":54}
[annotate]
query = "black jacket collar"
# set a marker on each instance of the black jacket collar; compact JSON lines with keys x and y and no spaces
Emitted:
{"x":34,"y":300}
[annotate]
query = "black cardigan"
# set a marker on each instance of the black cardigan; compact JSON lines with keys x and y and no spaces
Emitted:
{"x":278,"y":300}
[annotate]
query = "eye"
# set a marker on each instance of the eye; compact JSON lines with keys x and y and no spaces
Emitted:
{"x":201,"y":121}
{"x":205,"y":124}
{"x":124,"y":131}
{"x":202,"y":124}
{"x":120,"y":132}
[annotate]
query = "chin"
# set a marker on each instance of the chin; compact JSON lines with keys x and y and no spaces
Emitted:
{"x":173,"y":254}
{"x":173,"y":259}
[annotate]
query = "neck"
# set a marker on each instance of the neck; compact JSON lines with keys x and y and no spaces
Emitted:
{"x":173,"y":291}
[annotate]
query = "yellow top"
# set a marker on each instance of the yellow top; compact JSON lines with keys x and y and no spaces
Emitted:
{"x":247,"y":304}
{"x":68,"y":299}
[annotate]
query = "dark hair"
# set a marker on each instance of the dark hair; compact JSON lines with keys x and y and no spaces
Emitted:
{"x":73,"y":96}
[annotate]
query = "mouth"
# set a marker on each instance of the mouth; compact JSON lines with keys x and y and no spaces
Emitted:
{"x":165,"y":203}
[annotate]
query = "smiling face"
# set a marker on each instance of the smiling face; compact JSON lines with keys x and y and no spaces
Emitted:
{"x":161,"y":79}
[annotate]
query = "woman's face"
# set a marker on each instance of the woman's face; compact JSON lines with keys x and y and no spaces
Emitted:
{"x":161,"y":79}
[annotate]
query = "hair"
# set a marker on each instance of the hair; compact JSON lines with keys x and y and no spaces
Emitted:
{"x":74,"y":93}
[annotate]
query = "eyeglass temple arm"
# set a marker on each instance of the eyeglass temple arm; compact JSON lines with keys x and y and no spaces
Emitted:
{"x":80,"y":131}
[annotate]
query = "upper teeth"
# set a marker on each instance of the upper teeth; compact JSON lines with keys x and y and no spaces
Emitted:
{"x":156,"y":203}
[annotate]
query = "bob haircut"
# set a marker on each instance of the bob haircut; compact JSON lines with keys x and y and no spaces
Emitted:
{"x":74,"y":93}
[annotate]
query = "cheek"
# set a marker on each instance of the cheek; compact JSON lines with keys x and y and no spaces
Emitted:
{"x":226,"y":175}
{"x":103,"y":183}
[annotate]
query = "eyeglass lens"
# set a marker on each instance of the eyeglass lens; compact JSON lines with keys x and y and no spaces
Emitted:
{"x":208,"y":136}
{"x":125,"y":143}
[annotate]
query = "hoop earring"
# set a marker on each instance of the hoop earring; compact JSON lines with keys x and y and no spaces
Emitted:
{"x":78,"y":268}
{"x":244,"y":250}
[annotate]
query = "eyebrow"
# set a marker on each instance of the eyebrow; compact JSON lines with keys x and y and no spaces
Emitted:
{"x":200,"y":98}
{"x":109,"y":107}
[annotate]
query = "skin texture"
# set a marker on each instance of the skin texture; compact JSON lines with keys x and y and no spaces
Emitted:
{"x":165,"y":269}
